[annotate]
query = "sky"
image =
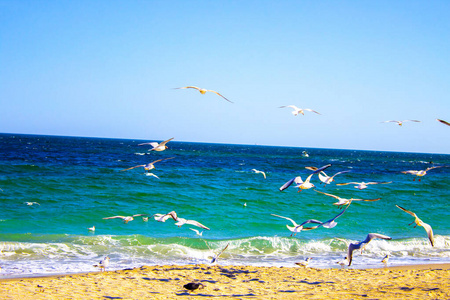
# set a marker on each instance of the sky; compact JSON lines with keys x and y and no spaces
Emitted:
{"x":110,"y":69}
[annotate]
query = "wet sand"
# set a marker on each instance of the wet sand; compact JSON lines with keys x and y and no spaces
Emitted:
{"x":238,"y":282}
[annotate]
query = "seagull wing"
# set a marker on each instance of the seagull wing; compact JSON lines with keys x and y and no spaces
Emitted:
{"x":318,"y":170}
{"x":154,"y":162}
{"x":195,"y":223}
{"x":189,"y":87}
{"x":289,"y":219}
{"x":291,"y":106}
{"x":153,"y":144}
{"x":138,"y":166}
{"x":347,"y":183}
{"x":411,"y":121}
{"x":308,"y":109}
{"x":331,"y":195}
{"x":140,"y":215}
{"x":331,"y":222}
{"x":340,"y":173}
{"x":429,"y":231}
{"x":287,"y":184}
{"x":195,"y":230}
{"x":165,"y":142}
{"x":372,"y":236}
{"x":115,"y":217}
{"x":219,"y":95}
{"x":365,"y":199}
{"x":407,"y":211}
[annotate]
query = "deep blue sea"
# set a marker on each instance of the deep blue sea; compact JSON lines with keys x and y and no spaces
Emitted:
{"x":78,"y":182}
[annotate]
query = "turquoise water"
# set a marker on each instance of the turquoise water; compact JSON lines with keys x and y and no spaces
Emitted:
{"x":78,"y":182}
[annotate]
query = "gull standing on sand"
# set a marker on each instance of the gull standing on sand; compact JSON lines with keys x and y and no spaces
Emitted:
{"x":361,"y":245}
{"x":328,"y":179}
{"x":385,"y":260}
{"x":419,"y":222}
{"x":304,"y":263}
{"x":400,"y":123}
{"x":103,"y":264}
{"x":259,"y":172}
{"x":343,"y":263}
{"x":157,"y":146}
{"x":363,"y":185}
{"x":297,"y":110}
{"x":342,"y":201}
{"x":165,"y":217}
{"x":420,"y":173}
{"x":125,"y":219}
{"x":149,"y":166}
{"x":203,"y":91}
{"x":443,"y":122}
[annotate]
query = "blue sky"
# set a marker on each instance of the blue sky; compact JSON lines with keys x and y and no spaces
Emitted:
{"x":109,"y":69}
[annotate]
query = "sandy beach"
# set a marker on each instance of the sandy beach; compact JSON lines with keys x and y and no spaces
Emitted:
{"x":238,"y":282}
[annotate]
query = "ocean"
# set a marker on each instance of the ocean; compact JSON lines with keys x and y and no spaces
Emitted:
{"x":79,"y":181}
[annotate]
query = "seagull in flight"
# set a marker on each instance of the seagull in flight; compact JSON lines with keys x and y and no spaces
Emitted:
{"x":400,"y":123}
{"x":342,"y":201}
{"x":157,"y":146}
{"x":149,"y":166}
{"x":419,"y":222}
{"x":361,"y":245}
{"x":199,"y":233}
{"x":297,"y":228}
{"x":328,"y":179}
{"x":301,"y":185}
{"x":297,"y":110}
{"x":363,"y":185}
{"x":165,"y":217}
{"x":203,"y":91}
{"x":181,"y":221}
{"x":261,"y":172}
{"x":91,"y":228}
{"x":443,"y":122}
{"x":421,"y":172}
{"x":125,"y":219}
{"x":31,"y":203}
{"x":216,"y":257}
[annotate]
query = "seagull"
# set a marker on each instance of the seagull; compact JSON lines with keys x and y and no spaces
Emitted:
{"x":385,"y":260}
{"x":343,"y":262}
{"x":361,"y":245}
{"x":363,"y":185}
{"x":31,"y":203}
{"x":301,"y":185}
{"x":125,"y":219}
{"x":443,"y":122}
{"x":165,"y":217}
{"x":297,"y":110}
{"x":182,"y":221}
{"x":419,"y":222}
{"x":157,"y":146}
{"x":328,"y":179}
{"x":103,"y":264}
{"x":256,"y":171}
{"x":304,"y":263}
{"x":216,"y":257}
{"x":421,"y":172}
{"x":298,"y":228}
{"x":400,"y":123}
{"x":199,"y":233}
{"x":203,"y":91}
{"x":91,"y":228}
{"x":342,"y":201}
{"x":149,"y":166}
{"x":144,"y":219}
{"x":152,"y":174}
{"x":192,"y":286}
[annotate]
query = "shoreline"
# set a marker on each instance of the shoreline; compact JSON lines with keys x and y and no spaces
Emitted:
{"x":427,"y":281}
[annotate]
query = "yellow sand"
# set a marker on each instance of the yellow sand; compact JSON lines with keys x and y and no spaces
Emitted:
{"x":236,"y":282}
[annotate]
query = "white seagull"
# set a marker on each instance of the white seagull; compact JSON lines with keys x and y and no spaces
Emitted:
{"x":216,"y":257}
{"x":328,"y":179}
{"x":298,"y":228}
{"x":420,"y":173}
{"x":343,"y":263}
{"x":304,"y":263}
{"x":91,"y":228}
{"x":103,"y":264}
{"x":181,"y":221}
{"x":149,"y":166}
{"x":342,"y":201}
{"x":297,"y":110}
{"x":419,"y":222}
{"x":157,"y":146}
{"x":301,"y":185}
{"x":203,"y":91}
{"x":199,"y":233}
{"x":363,"y":185}
{"x":261,"y":172}
{"x":361,"y":245}
{"x":165,"y":217}
{"x":400,"y":123}
{"x":385,"y":260}
{"x":125,"y":219}
{"x":31,"y":203}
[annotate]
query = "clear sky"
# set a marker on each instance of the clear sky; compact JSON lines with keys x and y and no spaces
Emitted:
{"x":109,"y":69}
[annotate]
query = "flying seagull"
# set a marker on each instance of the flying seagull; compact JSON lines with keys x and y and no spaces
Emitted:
{"x":443,"y":122}
{"x":165,"y":217}
{"x":361,"y":245}
{"x":342,"y":201}
{"x":157,"y":146}
{"x":203,"y":91}
{"x":181,"y":221}
{"x":149,"y":166}
{"x":400,"y":123}
{"x":199,"y":233}
{"x":301,"y":185}
{"x":125,"y":219}
{"x":421,"y":172}
{"x":263,"y":173}
{"x":216,"y":257}
{"x":419,"y":222}
{"x":363,"y":185}
{"x":91,"y":228}
{"x":297,"y":110}
{"x":328,"y":179}
{"x":103,"y":264}
{"x":297,"y":228}
{"x":31,"y":203}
